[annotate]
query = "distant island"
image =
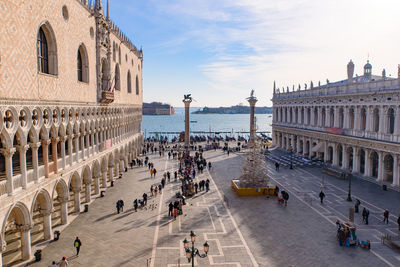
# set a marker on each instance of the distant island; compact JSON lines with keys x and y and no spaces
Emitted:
{"x":238,"y":109}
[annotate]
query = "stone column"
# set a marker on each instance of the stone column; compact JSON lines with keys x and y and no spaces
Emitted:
{"x":97,"y":185}
{"x":25,"y":241}
{"x":252,"y":101}
{"x":48,"y":235}
{"x":335,"y":161}
{"x":187,"y":102}
{"x":22,"y":158}
{"x":367,"y":161}
{"x":117,"y":168}
{"x":54,"y":142}
{"x":94,"y":146}
{"x":346,"y":121}
{"x":304,"y":146}
{"x":336,"y":118}
{"x":111,"y":172}
{"x":382,"y":120}
{"x":64,"y":209}
{"x":45,"y":150}
{"x":87,"y":143}
{"x":327,"y":117}
{"x":395,"y":170}
{"x":77,"y":137}
{"x":88,"y":188}
{"x":104,"y":180}
{"x":298,"y":148}
{"x":345,"y":158}
{"x":82,"y":140}
{"x":319,"y":124}
{"x":357,"y":118}
{"x":326,"y":151}
{"x":77,"y":200}
{"x":396,"y":121}
{"x":370,"y":117}
{"x":8,"y":153}
{"x":312,"y":119}
{"x":62,"y":145}
{"x":380,"y":166}
{"x":356,"y":160}
{"x":35,"y":161}
{"x":70,"y":153}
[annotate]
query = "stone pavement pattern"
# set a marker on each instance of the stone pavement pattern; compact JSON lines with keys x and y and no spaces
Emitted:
{"x":298,"y":235}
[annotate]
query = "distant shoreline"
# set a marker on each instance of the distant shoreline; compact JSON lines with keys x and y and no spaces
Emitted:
{"x":233,"y":110}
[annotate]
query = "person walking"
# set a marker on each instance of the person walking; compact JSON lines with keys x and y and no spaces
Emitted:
{"x":398,"y":222}
{"x":169,"y":176}
{"x":176,"y":175}
{"x":180,"y":207}
{"x":276,"y":166}
{"x":151,"y":172}
{"x":155,"y":191}
{"x":135,"y":205}
{"x":285,"y":197}
{"x":170,"y":209}
{"x":144,"y":199}
{"x":122,"y":205}
{"x":163,"y":182}
{"x":63,"y":262}
{"x":321,"y":196}
{"x":77,"y":245}
{"x":364,"y":214}
{"x":196,"y":186}
{"x":357,"y":203}
{"x":207,"y":185}
{"x":53,"y":264}
{"x":118,"y":205}
{"x":160,"y":188}
{"x":386,"y":216}
{"x":154,"y":172}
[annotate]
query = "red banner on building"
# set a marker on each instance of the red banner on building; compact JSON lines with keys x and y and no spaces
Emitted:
{"x":334,"y":130}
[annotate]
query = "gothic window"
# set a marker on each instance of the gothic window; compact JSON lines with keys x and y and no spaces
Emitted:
{"x":82,"y":64}
{"x":43,"y":58}
{"x":376,"y":120}
{"x":363,"y":119}
{"x":391,"y":121}
{"x":137,"y":85}
{"x":117,"y":78}
{"x":129,"y":82}
{"x":331,"y":117}
{"x":46,"y":50}
{"x":104,"y":81}
{"x":315,"y":116}
{"x":119,"y":54}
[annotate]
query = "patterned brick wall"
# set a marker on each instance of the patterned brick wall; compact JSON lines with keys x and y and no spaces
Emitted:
{"x":19,"y":77}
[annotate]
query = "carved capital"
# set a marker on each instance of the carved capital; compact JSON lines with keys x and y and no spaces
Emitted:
{"x":8,"y":152}
{"x":55,"y":140}
{"x":46,"y":142}
{"x":63,"y":138}
{"x":35,"y":145}
{"x":23,"y":148}
{"x":24,"y":228}
{"x":3,"y":245}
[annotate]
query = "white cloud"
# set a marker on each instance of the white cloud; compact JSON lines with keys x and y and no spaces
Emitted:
{"x":254,"y":42}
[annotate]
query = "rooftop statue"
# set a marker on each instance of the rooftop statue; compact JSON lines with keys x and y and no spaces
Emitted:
{"x":187,"y":97}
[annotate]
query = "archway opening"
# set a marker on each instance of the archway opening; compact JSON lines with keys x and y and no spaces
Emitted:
{"x":388,"y":168}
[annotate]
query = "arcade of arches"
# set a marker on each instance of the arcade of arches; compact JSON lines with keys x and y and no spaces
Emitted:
{"x":88,"y":145}
{"x":363,"y":160}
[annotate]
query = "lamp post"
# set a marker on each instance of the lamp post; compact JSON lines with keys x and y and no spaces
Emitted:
{"x":349,"y":192}
{"x":191,"y":253}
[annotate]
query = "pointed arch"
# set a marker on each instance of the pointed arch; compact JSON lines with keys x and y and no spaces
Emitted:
{"x":117,"y":78}
{"x":137,"y":85}
{"x":46,"y":49}
{"x":82,"y":64}
{"x":129,"y":82}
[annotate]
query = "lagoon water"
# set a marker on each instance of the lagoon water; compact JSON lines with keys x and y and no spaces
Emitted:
{"x":204,"y":122}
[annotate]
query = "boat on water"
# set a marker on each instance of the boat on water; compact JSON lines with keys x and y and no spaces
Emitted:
{"x":193,"y":121}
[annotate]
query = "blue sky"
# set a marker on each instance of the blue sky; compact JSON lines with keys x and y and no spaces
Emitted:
{"x":218,"y":50}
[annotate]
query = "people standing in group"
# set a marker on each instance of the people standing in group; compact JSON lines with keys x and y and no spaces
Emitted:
{"x":321,"y":196}
{"x":357,"y":204}
{"x":63,"y":262}
{"x":398,"y":222}
{"x":386,"y":216}
{"x":77,"y":245}
{"x":170,"y":209}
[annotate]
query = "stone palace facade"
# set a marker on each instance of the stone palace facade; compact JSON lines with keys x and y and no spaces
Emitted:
{"x":71,"y":111}
{"x":352,"y":124}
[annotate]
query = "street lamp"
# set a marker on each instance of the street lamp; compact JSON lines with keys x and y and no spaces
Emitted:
{"x":291,"y":157}
{"x":349,"y":192}
{"x":191,"y":253}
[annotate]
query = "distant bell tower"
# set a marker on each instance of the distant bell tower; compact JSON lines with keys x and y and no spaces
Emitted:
{"x":350,"y":71}
{"x":367,"y":70}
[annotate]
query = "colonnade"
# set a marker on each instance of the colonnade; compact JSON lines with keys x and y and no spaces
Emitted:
{"x":382,"y":165}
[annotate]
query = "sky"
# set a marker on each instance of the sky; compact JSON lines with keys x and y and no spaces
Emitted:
{"x":218,"y":50}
